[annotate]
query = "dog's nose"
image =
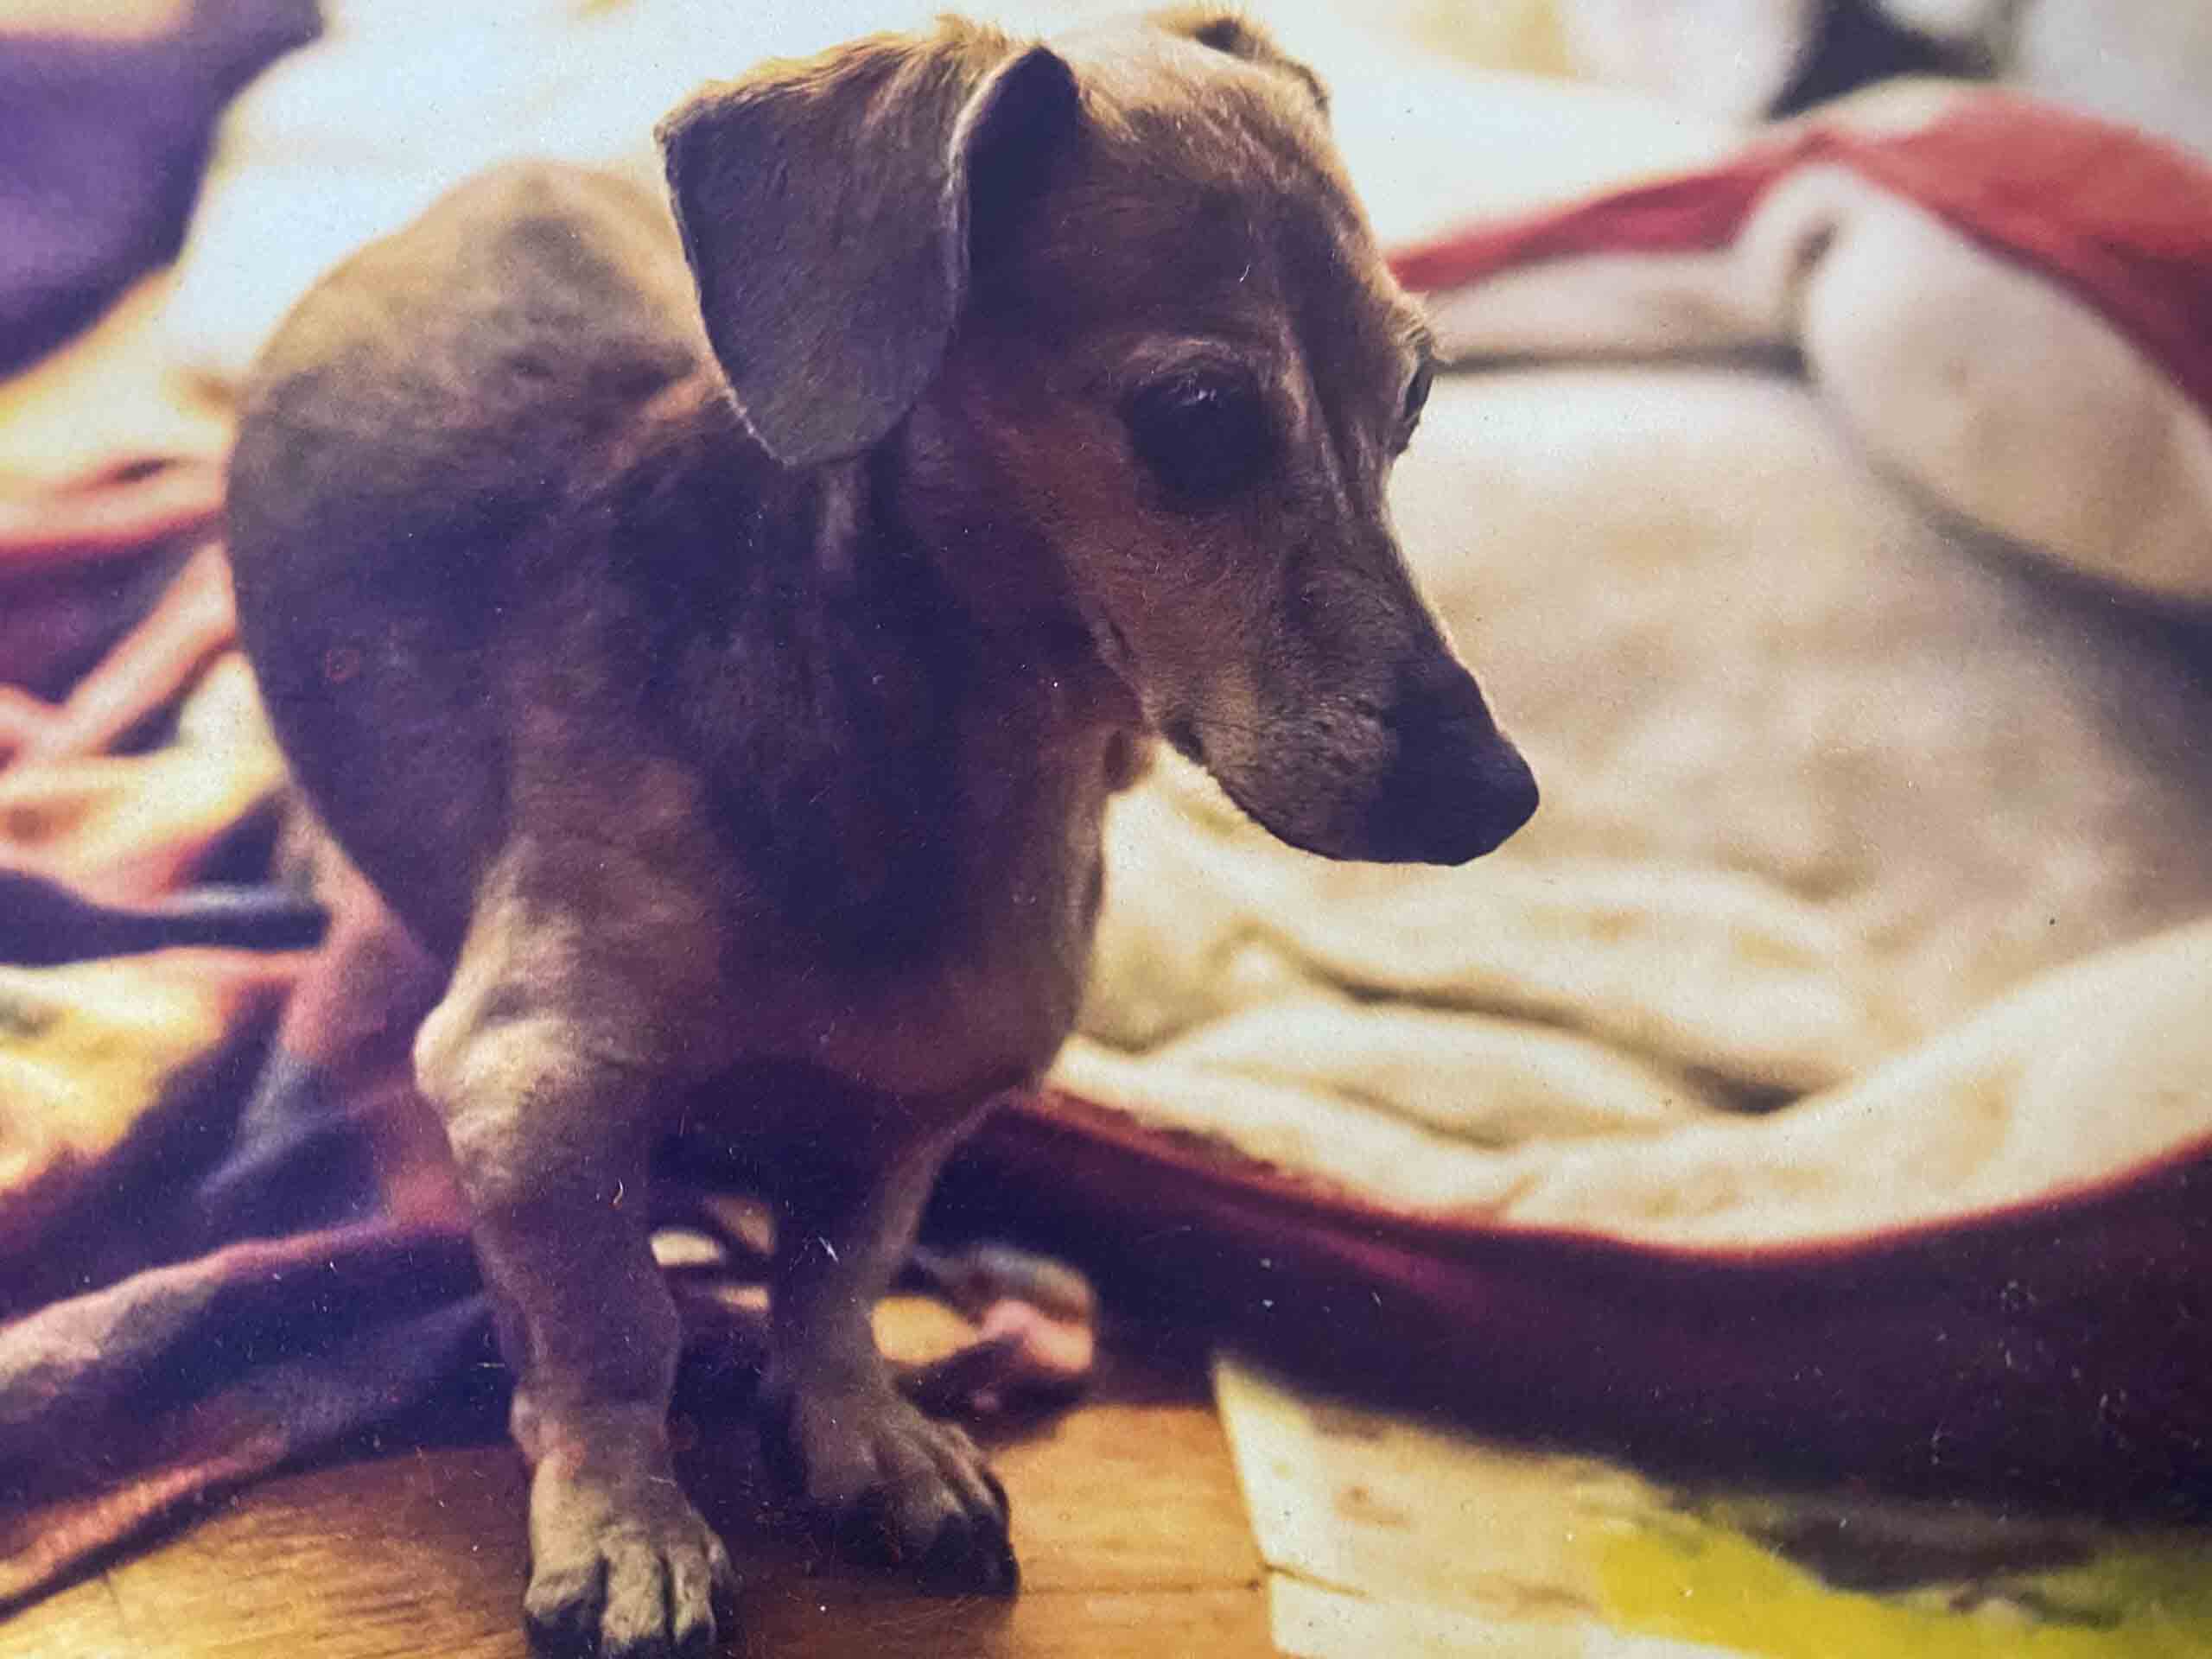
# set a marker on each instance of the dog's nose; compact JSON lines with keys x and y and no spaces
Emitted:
{"x":1456,"y":788}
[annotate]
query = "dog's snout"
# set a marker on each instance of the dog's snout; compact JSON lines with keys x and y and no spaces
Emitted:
{"x":1456,"y":787}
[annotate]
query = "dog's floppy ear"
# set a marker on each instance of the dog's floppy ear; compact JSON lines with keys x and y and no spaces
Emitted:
{"x":825,"y":208}
{"x":1240,"y":37}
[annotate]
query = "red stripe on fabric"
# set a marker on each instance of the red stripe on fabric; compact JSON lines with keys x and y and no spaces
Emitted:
{"x":1694,"y":213}
{"x":2117,"y":219}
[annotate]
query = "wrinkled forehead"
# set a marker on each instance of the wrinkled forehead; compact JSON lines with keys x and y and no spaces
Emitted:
{"x":1204,"y":197}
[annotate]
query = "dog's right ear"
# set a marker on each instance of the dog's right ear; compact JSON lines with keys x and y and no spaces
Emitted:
{"x":1230,"y":31}
{"x":825,"y":207}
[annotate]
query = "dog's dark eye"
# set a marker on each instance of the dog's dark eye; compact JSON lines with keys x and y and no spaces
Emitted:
{"x":1416,"y":400}
{"x":1203,"y":437}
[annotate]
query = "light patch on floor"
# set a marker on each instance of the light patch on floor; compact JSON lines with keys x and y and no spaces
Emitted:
{"x":1391,"y":1534}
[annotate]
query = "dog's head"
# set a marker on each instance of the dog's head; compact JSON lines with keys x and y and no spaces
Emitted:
{"x":1114,"y":308}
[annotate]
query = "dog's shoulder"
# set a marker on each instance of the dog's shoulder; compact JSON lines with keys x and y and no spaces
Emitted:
{"x":685,"y":594}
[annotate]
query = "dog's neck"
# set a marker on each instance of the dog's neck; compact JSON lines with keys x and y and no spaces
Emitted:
{"x":833,"y":676}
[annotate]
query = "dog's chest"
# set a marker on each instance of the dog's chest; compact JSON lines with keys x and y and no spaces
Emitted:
{"x":987,"y":1004}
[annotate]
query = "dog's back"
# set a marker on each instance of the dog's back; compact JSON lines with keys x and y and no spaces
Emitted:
{"x":538,"y":307}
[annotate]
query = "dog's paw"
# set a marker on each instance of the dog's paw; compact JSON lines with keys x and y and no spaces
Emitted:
{"x":616,"y":1576}
{"x":896,"y":1487}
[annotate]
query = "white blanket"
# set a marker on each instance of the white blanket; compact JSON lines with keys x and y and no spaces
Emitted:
{"x":1826,"y":775}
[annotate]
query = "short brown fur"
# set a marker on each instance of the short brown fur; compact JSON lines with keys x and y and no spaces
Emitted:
{"x":720,"y":636}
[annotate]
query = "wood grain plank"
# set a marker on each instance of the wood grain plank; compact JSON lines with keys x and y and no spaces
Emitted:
{"x":1127,"y":1515}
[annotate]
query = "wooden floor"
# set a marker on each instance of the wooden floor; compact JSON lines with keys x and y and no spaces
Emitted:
{"x":1126,"y":1515}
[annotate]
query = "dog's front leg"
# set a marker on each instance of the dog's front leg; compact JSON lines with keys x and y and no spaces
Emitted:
{"x":551,"y":1143}
{"x":896,"y":1485}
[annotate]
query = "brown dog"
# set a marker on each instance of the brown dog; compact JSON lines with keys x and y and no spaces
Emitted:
{"x":724,"y":648}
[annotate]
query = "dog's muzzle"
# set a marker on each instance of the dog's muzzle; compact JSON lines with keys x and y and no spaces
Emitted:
{"x":1456,"y":787}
